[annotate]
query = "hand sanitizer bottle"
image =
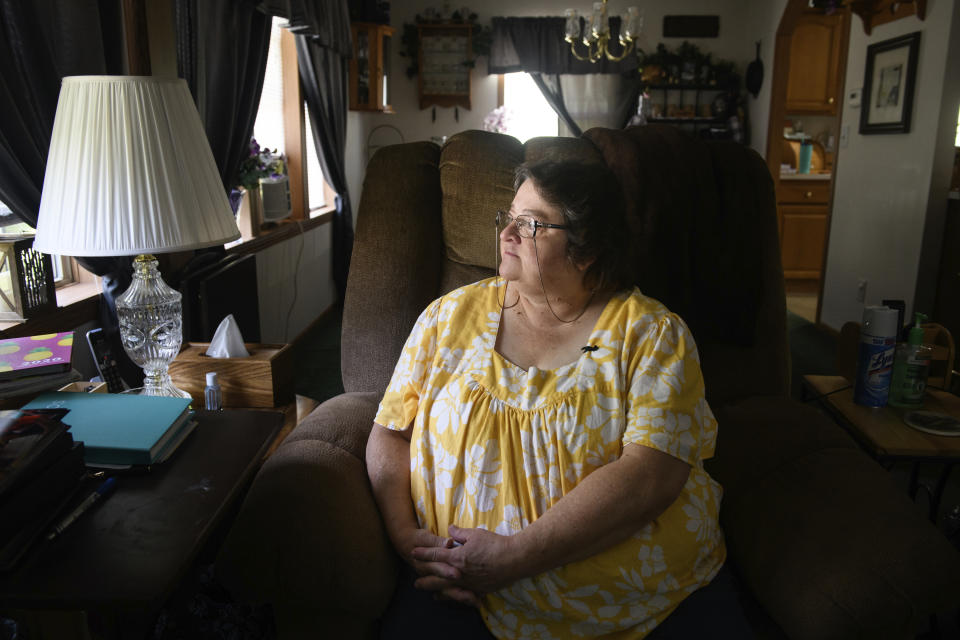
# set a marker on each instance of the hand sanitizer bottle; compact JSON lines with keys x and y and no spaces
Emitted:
{"x":213,"y":399}
{"x":911,"y":365}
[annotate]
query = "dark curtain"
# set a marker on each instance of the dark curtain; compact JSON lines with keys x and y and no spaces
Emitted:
{"x":536,"y":46}
{"x":222,"y":48}
{"x":549,"y":86}
{"x":323,"y":48}
{"x":222,"y":53}
{"x":323,"y":77}
{"x":40,"y":43}
{"x":327,"y":22}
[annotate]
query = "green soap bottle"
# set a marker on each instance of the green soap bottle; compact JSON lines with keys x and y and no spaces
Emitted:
{"x":911,"y":364}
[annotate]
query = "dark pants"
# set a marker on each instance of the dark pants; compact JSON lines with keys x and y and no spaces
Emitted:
{"x":711,"y":612}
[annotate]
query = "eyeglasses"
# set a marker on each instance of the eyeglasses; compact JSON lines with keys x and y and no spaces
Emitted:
{"x":526,"y":225}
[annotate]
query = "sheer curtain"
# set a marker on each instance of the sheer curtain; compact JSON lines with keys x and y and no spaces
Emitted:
{"x":536,"y":46}
{"x":599,"y":100}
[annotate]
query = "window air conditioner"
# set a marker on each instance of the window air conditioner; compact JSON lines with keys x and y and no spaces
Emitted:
{"x":275,"y":193}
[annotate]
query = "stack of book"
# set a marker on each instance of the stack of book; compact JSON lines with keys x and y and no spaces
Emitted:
{"x":41,"y":468}
{"x":122,"y":430}
{"x":35,"y":364}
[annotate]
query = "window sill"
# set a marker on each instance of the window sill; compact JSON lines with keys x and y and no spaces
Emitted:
{"x":284,"y":230}
{"x":79,"y":302}
{"x":76,"y":303}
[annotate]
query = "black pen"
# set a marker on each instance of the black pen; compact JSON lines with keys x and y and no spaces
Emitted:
{"x":102,"y":491}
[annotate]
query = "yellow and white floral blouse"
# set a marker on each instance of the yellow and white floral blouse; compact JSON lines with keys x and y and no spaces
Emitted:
{"x":494,"y":446}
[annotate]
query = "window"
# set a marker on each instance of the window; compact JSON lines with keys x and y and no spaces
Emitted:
{"x":276,"y":126}
{"x":530,"y":114}
{"x":64,"y":267}
{"x":268,"y":128}
{"x":956,"y":142}
{"x":319,"y":193}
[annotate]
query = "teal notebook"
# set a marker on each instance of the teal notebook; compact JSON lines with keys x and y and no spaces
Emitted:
{"x":119,"y":429}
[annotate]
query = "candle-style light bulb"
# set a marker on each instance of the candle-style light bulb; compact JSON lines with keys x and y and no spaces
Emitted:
{"x":633,"y":25}
{"x":571,"y":30}
{"x":598,"y":21}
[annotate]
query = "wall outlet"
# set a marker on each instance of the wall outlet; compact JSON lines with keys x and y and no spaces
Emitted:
{"x":861,"y":290}
{"x":844,"y":136}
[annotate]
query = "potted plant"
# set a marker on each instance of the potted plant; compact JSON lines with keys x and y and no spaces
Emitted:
{"x":245,"y":199}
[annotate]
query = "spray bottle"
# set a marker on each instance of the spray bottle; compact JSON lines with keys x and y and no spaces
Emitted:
{"x":910,"y":368}
{"x":878,"y":339}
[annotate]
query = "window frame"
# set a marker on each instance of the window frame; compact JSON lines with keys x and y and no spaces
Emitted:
{"x":501,"y":95}
{"x":295,"y":133}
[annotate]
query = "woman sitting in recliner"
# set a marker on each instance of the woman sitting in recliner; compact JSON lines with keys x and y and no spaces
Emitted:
{"x":538,"y":454}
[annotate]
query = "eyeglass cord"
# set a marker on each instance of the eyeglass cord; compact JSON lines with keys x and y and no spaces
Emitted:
{"x":536,"y":251}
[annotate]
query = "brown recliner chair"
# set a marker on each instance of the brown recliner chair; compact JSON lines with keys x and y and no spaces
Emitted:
{"x":824,"y":542}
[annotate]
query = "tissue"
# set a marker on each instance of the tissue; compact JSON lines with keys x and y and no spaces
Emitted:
{"x":227,"y":341}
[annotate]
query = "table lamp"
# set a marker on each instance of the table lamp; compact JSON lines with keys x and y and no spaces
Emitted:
{"x":130,"y":172}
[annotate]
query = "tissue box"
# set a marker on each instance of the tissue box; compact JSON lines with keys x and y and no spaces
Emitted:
{"x":263,"y":379}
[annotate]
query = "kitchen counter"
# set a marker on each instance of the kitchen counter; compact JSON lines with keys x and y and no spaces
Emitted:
{"x":805,"y":176}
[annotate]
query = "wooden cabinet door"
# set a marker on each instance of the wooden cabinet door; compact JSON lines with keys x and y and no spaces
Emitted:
{"x":814,"y":82}
{"x":370,"y":67}
{"x":803,"y":240}
{"x":803,"y":191}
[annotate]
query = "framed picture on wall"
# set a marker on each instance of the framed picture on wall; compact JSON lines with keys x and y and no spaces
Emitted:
{"x":888,"y":85}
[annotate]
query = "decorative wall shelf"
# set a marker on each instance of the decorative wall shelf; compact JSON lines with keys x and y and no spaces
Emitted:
{"x":445,"y":56}
{"x":876,"y":12}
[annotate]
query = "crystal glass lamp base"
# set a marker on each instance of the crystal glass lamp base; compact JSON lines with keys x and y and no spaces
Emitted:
{"x":151,"y":326}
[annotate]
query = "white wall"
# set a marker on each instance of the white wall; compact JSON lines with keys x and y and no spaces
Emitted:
{"x":761,"y":20}
{"x":742,"y":23}
{"x":356,"y":156}
{"x":294,"y":284}
{"x":883,"y":182}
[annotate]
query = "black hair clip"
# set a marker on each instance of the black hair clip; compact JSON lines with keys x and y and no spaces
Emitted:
{"x":589,"y":348}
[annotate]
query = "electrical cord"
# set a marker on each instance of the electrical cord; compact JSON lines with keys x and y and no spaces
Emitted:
{"x":829,"y":393}
{"x":296,"y":278}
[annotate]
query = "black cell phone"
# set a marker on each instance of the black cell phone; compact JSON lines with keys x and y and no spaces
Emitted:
{"x":105,"y":360}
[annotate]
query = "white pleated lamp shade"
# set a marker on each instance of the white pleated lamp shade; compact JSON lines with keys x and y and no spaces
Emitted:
{"x":130,"y":171}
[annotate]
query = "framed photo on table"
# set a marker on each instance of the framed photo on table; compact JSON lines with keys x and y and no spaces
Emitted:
{"x":888,"y":85}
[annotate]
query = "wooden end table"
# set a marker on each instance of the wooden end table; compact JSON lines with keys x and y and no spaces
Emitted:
{"x":122,"y":559}
{"x":882,"y":432}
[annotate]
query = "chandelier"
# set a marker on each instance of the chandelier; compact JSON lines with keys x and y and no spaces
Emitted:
{"x":596,"y":36}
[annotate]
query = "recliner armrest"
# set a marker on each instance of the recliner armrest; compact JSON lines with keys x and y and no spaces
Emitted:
{"x":820,"y":533}
{"x":308,"y":536}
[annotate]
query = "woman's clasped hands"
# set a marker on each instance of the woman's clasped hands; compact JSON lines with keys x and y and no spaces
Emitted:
{"x":468,"y":564}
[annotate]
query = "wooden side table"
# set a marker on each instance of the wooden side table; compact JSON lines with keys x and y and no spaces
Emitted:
{"x":122,"y":559}
{"x":884,"y":435}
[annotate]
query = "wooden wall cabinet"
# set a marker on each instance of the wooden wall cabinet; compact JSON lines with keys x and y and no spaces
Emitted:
{"x":803,"y":214}
{"x":444,"y":58}
{"x":370,"y":67}
{"x":814,"y":81}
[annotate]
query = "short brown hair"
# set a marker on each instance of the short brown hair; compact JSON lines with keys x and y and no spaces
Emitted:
{"x":590,"y":199}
